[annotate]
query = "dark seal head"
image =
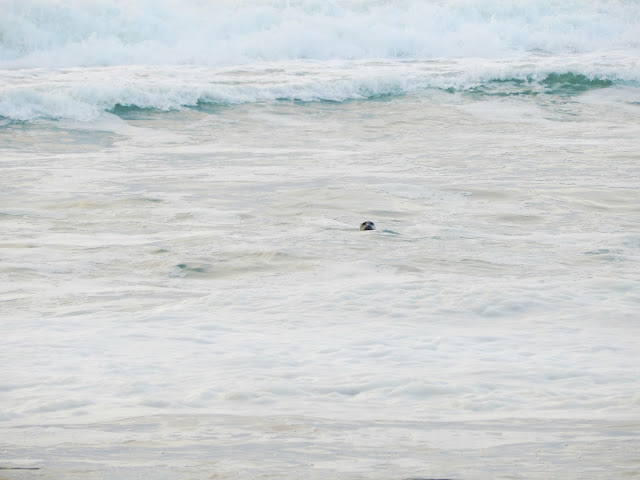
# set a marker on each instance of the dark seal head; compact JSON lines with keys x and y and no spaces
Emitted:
{"x":367,"y":226}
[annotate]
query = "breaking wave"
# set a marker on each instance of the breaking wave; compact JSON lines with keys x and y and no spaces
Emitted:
{"x":69,"y":33}
{"x":76,"y":59}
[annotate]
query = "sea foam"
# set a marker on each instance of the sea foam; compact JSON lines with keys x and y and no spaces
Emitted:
{"x":67,"y":33}
{"x":84,"y":94}
{"x":75,"y":60}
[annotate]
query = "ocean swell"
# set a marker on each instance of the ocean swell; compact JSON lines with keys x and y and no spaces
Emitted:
{"x":85,"y":93}
{"x":76,"y":59}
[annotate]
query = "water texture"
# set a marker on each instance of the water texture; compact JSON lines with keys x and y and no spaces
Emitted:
{"x":184,"y":289}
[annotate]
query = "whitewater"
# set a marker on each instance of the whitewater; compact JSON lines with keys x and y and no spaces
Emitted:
{"x":184,"y":289}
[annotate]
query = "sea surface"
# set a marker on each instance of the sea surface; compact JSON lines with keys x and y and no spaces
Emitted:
{"x":184,"y":289}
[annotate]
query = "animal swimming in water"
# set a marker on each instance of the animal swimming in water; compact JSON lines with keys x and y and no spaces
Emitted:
{"x":368,"y":225}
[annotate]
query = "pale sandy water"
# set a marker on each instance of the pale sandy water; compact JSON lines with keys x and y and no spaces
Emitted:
{"x":187,"y":294}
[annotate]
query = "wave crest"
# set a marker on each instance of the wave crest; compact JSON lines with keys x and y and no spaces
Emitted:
{"x":67,"y":33}
{"x":85,"y":93}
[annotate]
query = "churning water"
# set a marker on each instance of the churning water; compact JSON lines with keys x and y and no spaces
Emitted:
{"x":184,"y":289}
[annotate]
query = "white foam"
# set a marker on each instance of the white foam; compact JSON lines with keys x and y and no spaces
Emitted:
{"x":242,"y":316}
{"x":83,"y":94}
{"x":113,"y":32}
{"x":73,"y":59}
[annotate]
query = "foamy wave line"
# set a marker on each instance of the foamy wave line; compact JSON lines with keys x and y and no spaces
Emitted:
{"x":85,"y":94}
{"x":67,"y":33}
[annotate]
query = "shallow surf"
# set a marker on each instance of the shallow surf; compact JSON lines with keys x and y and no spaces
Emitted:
{"x":185,"y":291}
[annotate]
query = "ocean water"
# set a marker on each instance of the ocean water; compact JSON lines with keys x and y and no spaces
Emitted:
{"x":184,"y":289}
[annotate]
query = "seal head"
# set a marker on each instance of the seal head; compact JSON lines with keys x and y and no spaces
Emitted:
{"x":367,"y":226}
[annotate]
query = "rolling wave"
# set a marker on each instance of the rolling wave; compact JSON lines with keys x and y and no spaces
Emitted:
{"x":71,"y":33}
{"x":76,"y":59}
{"x":86,"y":93}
